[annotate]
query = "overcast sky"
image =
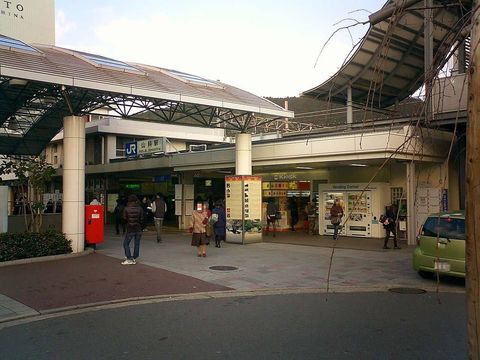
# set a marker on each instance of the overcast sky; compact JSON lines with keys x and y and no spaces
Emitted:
{"x":266,"y":47}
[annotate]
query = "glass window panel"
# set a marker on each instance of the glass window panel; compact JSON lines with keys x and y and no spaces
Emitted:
{"x":448,"y":228}
{"x":104,"y":61}
{"x":16,"y":44}
{"x":192,"y":78}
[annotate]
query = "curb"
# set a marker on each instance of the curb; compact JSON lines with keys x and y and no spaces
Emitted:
{"x":142,"y":300}
{"x":45,"y":258}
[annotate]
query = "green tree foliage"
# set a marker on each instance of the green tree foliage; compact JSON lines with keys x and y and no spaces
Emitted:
{"x":32,"y":175}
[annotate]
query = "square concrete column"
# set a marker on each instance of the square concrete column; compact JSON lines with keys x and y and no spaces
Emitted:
{"x":73,"y":202}
{"x":349,"y":105}
{"x":243,"y":154}
{"x":187,"y":198}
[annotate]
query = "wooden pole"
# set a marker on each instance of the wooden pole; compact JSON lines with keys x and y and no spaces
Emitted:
{"x":473,"y":194}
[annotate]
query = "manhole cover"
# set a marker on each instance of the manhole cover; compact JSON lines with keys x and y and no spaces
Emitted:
{"x":223,"y":268}
{"x":404,"y":290}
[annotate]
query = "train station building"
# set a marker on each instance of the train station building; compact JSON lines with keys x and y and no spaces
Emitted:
{"x":113,"y":128}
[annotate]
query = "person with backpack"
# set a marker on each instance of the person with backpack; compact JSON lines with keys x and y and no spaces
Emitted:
{"x":133,"y":215}
{"x":219,"y":221}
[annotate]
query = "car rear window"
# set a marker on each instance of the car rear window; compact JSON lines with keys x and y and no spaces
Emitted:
{"x":444,"y":227}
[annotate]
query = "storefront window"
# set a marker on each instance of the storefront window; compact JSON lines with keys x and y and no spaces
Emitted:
{"x":282,"y":192}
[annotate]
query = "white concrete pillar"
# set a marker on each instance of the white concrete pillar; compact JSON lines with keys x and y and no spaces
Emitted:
{"x":3,"y":209}
{"x":349,"y":106}
{"x":411,"y":189}
{"x":110,"y":148}
{"x":243,"y":154}
{"x":73,"y":204}
{"x":286,"y":119}
{"x":103,"y":151}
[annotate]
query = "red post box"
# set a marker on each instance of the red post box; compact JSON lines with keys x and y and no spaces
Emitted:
{"x":94,"y":229}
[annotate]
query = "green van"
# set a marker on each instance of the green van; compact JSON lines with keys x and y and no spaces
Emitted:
{"x":441,"y":245}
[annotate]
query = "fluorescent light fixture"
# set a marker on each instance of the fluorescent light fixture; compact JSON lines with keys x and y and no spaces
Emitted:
{"x":304,"y":167}
{"x":358,"y":165}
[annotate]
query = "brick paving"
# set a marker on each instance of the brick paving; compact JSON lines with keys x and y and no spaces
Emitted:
{"x":172,"y":267}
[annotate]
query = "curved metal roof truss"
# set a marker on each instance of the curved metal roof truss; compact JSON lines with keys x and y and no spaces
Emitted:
{"x":37,"y":92}
{"x":388,"y":64}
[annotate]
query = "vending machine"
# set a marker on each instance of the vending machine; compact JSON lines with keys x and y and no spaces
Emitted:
{"x":327,"y":199}
{"x":359,"y":213}
{"x":363,"y":205}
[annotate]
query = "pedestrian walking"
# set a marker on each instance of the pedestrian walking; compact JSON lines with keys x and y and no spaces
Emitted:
{"x":209,"y":233}
{"x":310,"y":209}
{"x":293,"y":207}
{"x":159,"y":208}
{"x":219,"y":221}
{"x":118,"y":213}
{"x":390,"y":226}
{"x":133,"y":215}
{"x":198,"y":224}
{"x":336,"y":214}
{"x":272,"y":216}
{"x":145,"y":204}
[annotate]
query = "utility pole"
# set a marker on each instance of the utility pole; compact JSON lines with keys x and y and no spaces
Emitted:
{"x":472,"y":247}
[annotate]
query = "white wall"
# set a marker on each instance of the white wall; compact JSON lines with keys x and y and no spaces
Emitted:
{"x":31,"y":21}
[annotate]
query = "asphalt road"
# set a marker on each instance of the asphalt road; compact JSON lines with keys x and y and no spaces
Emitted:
{"x":301,"y":326}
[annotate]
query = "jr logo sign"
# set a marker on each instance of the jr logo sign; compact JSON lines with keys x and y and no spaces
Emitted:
{"x":131,"y":149}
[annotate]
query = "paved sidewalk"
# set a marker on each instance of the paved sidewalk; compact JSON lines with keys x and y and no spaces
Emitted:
{"x":273,"y":265}
{"x":172,"y":267}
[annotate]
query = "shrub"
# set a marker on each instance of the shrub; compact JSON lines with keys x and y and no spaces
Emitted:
{"x":28,"y":245}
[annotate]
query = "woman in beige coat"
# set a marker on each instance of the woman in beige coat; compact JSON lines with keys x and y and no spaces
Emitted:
{"x":198,"y":224}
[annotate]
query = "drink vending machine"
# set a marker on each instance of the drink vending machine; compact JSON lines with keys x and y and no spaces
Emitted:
{"x":94,"y":224}
{"x":363,"y":205}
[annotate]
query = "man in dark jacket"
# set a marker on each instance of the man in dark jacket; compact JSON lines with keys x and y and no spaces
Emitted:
{"x":390,"y":226}
{"x":293,"y":207}
{"x":133,"y":215}
{"x":272,"y":215}
{"x":119,"y":221}
{"x":159,"y":208}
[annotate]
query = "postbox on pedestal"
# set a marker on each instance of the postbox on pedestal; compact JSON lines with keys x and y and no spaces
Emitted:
{"x":94,"y":228}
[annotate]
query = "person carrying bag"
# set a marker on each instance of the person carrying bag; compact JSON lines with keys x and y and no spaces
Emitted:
{"x":336,"y":214}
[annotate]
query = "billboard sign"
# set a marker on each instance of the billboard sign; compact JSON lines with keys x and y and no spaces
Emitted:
{"x":149,"y":146}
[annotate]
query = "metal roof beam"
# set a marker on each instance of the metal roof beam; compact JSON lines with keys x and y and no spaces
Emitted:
{"x":389,"y":10}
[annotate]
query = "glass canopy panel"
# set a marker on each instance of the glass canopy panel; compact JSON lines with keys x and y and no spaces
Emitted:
{"x":104,"y":61}
{"x":192,"y":78}
{"x":16,"y":44}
